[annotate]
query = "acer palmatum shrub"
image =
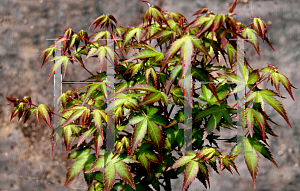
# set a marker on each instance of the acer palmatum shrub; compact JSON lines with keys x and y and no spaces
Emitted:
{"x":150,"y":83}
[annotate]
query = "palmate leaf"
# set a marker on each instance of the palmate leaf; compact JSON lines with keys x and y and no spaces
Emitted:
{"x":59,"y":61}
{"x":78,"y":165}
{"x":75,"y":169}
{"x":266,"y":95}
{"x":251,"y":159}
{"x":73,"y":113}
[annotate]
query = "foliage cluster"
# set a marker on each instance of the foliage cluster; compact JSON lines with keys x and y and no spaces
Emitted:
{"x":149,"y":85}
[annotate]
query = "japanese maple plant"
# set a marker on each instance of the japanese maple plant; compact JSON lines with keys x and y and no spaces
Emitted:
{"x":150,"y":82}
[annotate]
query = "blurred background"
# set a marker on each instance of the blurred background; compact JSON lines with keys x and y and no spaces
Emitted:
{"x":26,"y":24}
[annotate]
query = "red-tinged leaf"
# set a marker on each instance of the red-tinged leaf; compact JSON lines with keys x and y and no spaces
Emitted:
{"x":199,"y":21}
{"x":200,"y":11}
{"x":37,"y":117}
{"x":68,"y":139}
{"x":233,"y":6}
{"x":79,"y":153}
{"x":100,"y":163}
{"x":151,"y":98}
{"x":126,"y":143}
{"x":99,"y":35}
{"x":250,"y":34}
{"x":155,"y":133}
{"x":143,"y":87}
{"x":130,"y":33}
{"x":175,"y":46}
{"x":207,"y":153}
{"x":190,"y":173}
{"x":86,"y":134}
{"x":186,"y":57}
{"x":98,"y":142}
{"x":275,"y":81}
{"x":277,"y":106}
{"x":203,"y":173}
{"x":97,"y":120}
{"x":75,"y":115}
{"x":124,"y":173}
{"x":144,"y":54}
{"x":17,"y":109}
{"x":28,"y":113}
{"x":259,"y":26}
{"x":287,"y":84}
{"x":63,"y":60}
{"x":250,"y":120}
{"x":138,"y":134}
{"x":218,"y":22}
{"x":89,"y":177}
{"x":251,"y":159}
{"x":152,"y":157}
{"x":182,"y":161}
{"x":145,"y":163}
{"x":75,"y":169}
{"x":109,"y":175}
{"x":44,"y":112}
{"x":263,"y":150}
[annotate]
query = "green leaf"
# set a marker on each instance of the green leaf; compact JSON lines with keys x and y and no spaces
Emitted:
{"x":74,"y":170}
{"x":62,"y":60}
{"x":68,"y":139}
{"x":98,"y":142}
{"x":143,"y":87}
{"x":124,"y":173}
{"x":182,"y":161}
{"x":213,"y":122}
{"x":101,"y":34}
{"x":190,"y":173}
{"x":98,"y":120}
{"x":130,"y":33}
{"x":144,"y":54}
{"x":75,"y":115}
{"x":175,"y":46}
{"x":138,"y":134}
{"x":251,"y":159}
{"x":80,"y":153}
{"x":44,"y":112}
{"x":203,"y":173}
{"x":277,"y":106}
{"x":86,"y":134}
{"x":253,"y":77}
{"x":89,"y":177}
{"x":250,"y":34}
{"x":263,"y":150}
{"x":151,"y":98}
{"x":28,"y":113}
{"x":155,"y":133}
{"x":100,"y":163}
{"x":109,"y":175}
